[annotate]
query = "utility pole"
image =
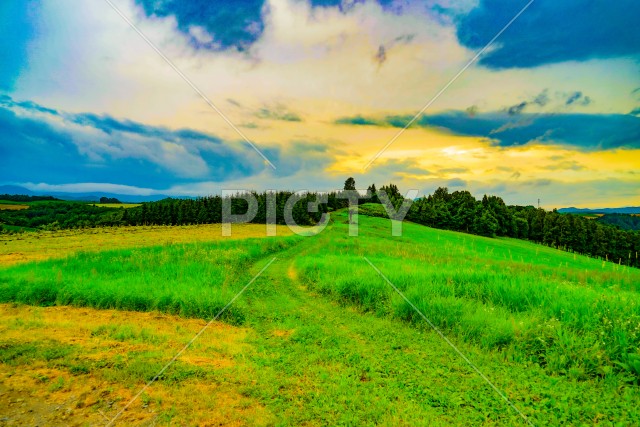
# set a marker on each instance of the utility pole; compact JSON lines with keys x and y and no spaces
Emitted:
{"x":538,"y":203}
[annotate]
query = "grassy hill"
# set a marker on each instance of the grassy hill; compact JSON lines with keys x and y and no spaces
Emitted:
{"x":326,"y":340}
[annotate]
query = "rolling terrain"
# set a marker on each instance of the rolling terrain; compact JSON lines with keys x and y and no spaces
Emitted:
{"x":320,"y":337}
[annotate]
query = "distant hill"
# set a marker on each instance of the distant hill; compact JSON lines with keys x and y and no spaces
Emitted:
{"x":81,"y":197}
{"x":124,"y":198}
{"x":25,"y":198}
{"x":95,"y":197}
{"x":15,"y":189}
{"x":625,"y":210}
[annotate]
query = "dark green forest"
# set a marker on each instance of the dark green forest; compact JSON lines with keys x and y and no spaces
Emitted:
{"x":24,"y":198}
{"x":460,"y":211}
{"x":53,"y":215}
{"x":611,"y":237}
{"x":626,"y":222}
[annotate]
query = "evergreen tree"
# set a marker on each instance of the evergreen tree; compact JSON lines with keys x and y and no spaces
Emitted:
{"x":372,"y":194}
{"x":350,"y":184}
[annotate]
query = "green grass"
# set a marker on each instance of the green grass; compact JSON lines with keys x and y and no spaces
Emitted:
{"x":17,"y":228}
{"x":532,"y":303}
{"x":373,"y":209}
{"x":330,"y":343}
{"x":193,"y":280}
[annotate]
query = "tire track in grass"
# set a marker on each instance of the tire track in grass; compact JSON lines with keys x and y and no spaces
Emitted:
{"x":345,"y":364}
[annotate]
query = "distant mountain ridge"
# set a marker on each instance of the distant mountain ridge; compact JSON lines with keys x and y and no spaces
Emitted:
{"x":93,"y":196}
{"x":14,"y":189}
{"x":624,"y":210}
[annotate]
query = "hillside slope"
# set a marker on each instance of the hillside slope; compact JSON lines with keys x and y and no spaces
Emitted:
{"x":324,"y":339}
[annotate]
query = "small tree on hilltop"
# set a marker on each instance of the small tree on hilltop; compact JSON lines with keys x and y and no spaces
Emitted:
{"x":350,"y":184}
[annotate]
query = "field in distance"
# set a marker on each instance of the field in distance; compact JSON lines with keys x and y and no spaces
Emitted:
{"x":117,"y":205}
{"x":13,"y":206}
{"x":320,"y":338}
{"x":43,"y":245}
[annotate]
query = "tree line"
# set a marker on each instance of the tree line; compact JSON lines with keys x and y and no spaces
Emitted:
{"x":624,"y":221}
{"x":53,"y":215}
{"x":24,"y":198}
{"x":490,"y":216}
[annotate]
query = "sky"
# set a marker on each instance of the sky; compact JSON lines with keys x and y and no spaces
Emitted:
{"x":196,"y":97}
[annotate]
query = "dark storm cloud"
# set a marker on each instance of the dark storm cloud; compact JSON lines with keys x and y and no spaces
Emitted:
{"x":583,"y":131}
{"x":230,"y":24}
{"x":40,"y":144}
{"x":552,"y":31}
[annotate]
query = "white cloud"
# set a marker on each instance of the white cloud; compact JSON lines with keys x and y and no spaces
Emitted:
{"x":90,"y":187}
{"x":200,"y":34}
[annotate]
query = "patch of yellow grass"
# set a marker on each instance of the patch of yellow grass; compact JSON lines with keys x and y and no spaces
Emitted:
{"x":282,"y":333}
{"x":28,"y":395}
{"x":58,"y":244}
{"x":13,"y":207}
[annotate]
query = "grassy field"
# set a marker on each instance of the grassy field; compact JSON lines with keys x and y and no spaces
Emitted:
{"x":320,"y":338}
{"x":193,"y":280}
{"x":73,"y":366}
{"x":58,"y":244}
{"x":586,"y":215}
{"x":12,"y":207}
{"x":9,"y":202}
{"x":532,"y":303}
{"x":16,"y":228}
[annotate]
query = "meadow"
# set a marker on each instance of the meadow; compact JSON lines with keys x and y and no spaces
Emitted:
{"x":43,"y":245}
{"x":320,"y":338}
{"x":192,"y":280}
{"x":532,"y":303}
{"x":12,"y":206}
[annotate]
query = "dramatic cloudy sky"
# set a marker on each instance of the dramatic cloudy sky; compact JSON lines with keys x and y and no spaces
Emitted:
{"x":551,"y":110}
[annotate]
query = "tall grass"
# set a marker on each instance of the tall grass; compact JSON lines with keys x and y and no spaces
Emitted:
{"x":193,"y":280}
{"x":570,"y":314}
